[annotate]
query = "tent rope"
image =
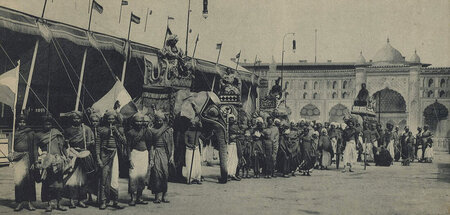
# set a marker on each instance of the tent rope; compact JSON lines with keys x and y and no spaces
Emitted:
{"x":70,"y":79}
{"x":34,"y":93}
{"x":73,"y":69}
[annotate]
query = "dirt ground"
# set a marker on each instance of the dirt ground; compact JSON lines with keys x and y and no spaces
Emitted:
{"x":418,"y":189}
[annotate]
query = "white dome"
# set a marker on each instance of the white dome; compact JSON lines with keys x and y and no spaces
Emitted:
{"x":361,"y":59}
{"x":414,"y":58}
{"x":388,"y":54}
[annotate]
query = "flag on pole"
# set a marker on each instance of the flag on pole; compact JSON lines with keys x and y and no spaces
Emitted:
{"x":97,"y":7}
{"x":238,"y":55}
{"x":118,"y":95}
{"x":219,"y":46}
{"x":135,"y":19}
{"x":9,"y":82}
{"x":124,"y":2}
{"x":170,"y":18}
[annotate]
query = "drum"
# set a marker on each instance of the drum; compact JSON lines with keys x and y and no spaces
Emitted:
{"x":86,"y":161}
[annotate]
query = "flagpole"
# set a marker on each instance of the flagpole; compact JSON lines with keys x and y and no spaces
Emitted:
{"x":218,"y":56}
{"x":237,"y":63}
{"x":90,"y":16}
{"x":30,"y":75}
{"x":43,"y":10}
{"x":146,"y":17}
{"x":15,"y":109}
{"x":187,"y":27}
{"x":124,"y":69}
{"x":80,"y":83}
{"x":195,"y":47}
{"x":217,"y":64}
{"x":120,"y":14}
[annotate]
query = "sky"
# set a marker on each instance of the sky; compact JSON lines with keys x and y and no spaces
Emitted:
{"x":256,"y":27}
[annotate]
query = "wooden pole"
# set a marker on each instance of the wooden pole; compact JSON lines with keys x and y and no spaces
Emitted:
{"x":90,"y":16}
{"x":187,"y":27}
{"x":195,"y":47}
{"x":80,"y":83}
{"x":30,"y":75}
{"x":146,"y":18}
{"x":15,"y":109}
{"x":43,"y":10}
{"x":124,"y":69}
{"x":237,"y":63}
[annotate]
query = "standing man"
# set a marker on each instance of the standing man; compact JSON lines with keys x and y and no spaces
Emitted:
{"x":79,"y":138}
{"x":193,"y":160}
{"x":233,"y":159}
{"x":161,"y":156}
{"x":350,"y":138}
{"x":404,"y":140}
{"x":270,"y":134}
{"x":24,"y":156}
{"x":106,"y":146}
{"x":257,"y":147}
{"x":51,"y":161}
{"x":276,"y":144}
{"x":418,"y":143}
{"x":389,"y":139}
{"x":139,"y":141}
{"x":426,"y":138}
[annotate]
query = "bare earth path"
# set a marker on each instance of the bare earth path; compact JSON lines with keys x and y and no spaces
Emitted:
{"x":417,"y":189}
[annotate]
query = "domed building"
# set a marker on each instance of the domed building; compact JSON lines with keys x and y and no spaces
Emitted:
{"x":404,"y":91}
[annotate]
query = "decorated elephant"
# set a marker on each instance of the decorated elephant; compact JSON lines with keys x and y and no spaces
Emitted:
{"x":207,"y":108}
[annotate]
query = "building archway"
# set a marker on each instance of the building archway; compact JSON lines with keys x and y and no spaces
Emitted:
{"x":435,"y":116}
{"x":310,"y":112}
{"x":337,"y":113}
{"x":389,"y":105}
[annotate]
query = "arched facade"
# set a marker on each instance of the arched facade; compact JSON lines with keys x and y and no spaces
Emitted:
{"x":310,"y":112}
{"x":436,"y":117}
{"x":337,"y":113}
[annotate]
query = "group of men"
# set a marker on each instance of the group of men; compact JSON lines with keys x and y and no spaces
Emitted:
{"x":272,"y":147}
{"x":83,"y":161}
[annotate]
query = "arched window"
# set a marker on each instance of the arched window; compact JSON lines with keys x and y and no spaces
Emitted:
{"x":430,"y":94}
{"x":441,"y":94}
{"x":344,"y":85}
{"x":334,"y":84}
{"x":316,"y":85}
{"x":344,"y":95}
{"x":442,"y":83}
{"x":430,"y":82}
{"x":334,"y":95}
{"x":305,"y":95}
{"x":305,"y":85}
{"x":315,"y":96}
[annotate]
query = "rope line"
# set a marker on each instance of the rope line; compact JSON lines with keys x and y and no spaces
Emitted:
{"x":34,"y":93}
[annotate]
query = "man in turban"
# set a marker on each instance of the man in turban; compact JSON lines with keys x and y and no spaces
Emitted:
{"x":52,"y":162}
{"x":162,"y":151}
{"x":108,"y":141}
{"x":139,"y":140}
{"x":80,"y":139}
{"x":24,"y":154}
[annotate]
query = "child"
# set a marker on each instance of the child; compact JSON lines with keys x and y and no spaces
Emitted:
{"x":429,"y":154}
{"x":247,"y":151}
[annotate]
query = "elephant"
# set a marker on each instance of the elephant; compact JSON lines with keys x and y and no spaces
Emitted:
{"x":205,"y":107}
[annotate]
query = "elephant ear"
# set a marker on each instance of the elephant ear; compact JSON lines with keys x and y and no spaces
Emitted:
{"x":196,"y":103}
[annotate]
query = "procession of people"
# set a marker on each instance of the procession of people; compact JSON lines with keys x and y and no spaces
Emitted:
{"x":83,"y":161}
